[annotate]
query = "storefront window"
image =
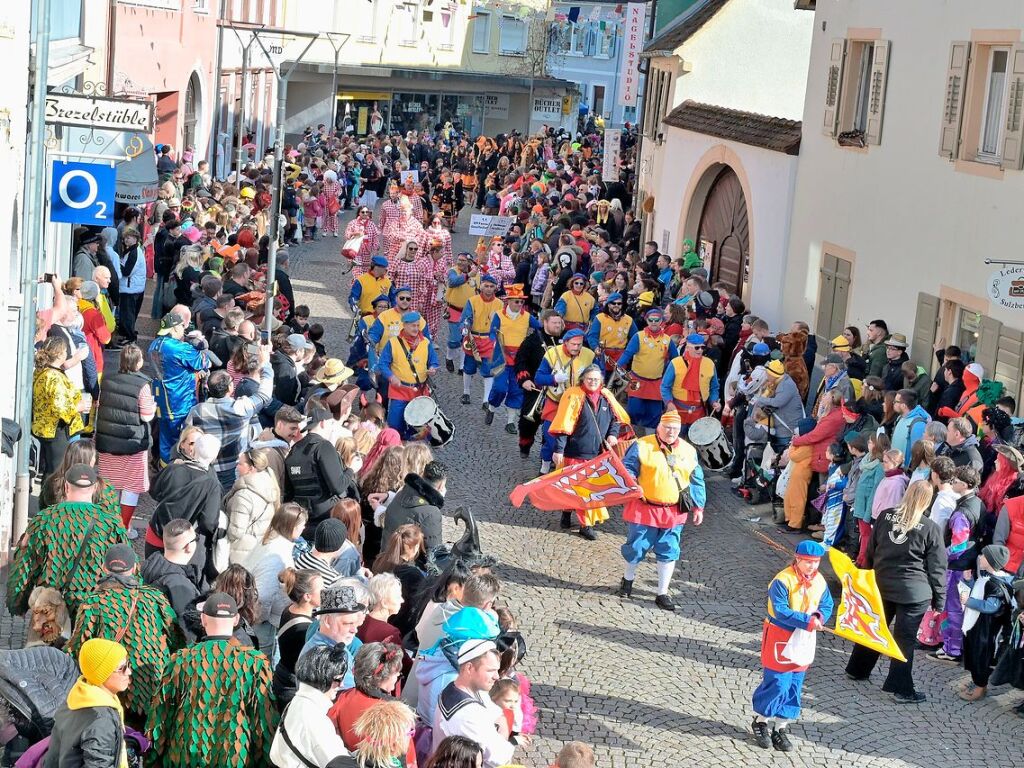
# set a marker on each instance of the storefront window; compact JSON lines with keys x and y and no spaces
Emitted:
{"x":363,"y":112}
{"x":967,"y":332}
{"x":414,"y":112}
{"x":463,"y":111}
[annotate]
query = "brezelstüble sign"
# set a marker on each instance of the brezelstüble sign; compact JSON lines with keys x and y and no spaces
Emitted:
{"x":99,"y":112}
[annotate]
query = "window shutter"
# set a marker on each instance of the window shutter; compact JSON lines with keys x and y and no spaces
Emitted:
{"x":1013,"y":138}
{"x":953,"y":106}
{"x":613,"y":37}
{"x":876,"y":97}
{"x":591,"y":40}
{"x":988,"y":345}
{"x":833,"y":86}
{"x":1009,"y":359}
{"x":925,"y":323}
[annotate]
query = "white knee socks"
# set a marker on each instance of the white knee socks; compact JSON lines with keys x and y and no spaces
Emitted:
{"x":630,"y":573}
{"x":467,"y":383}
{"x":130,"y":498}
{"x":488,"y":383}
{"x":511,"y":414}
{"x":665,"y":576}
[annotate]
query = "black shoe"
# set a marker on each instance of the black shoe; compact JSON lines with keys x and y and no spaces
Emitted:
{"x":566,"y":520}
{"x":588,"y":533}
{"x":910,"y":698}
{"x":780,"y":740}
{"x":524,"y":452}
{"x":625,"y":588}
{"x":489,"y":418}
{"x":512,"y":429}
{"x":762,"y":737}
{"x":665,"y":603}
{"x":465,"y":400}
{"x":857,"y":679}
{"x":449,"y":365}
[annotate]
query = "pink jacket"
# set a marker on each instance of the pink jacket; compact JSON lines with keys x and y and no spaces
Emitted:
{"x":889,"y":493}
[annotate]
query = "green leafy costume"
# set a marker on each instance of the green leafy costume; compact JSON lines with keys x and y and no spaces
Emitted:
{"x":152,"y":636}
{"x":215,"y":708}
{"x":52,"y":542}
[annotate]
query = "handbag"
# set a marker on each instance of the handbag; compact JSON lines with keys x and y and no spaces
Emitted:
{"x":351,"y":247}
{"x":333,"y":206}
{"x":930,"y":631}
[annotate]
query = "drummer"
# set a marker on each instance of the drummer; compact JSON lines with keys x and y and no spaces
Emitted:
{"x":389,"y":323}
{"x":406,"y":362}
{"x":690,"y":383}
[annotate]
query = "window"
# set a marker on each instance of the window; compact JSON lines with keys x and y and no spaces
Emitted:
{"x":446,"y":39}
{"x":368,"y":27}
{"x":579,"y":40}
{"x":65,"y":19}
{"x":512,"y":36}
{"x":606,"y":39}
{"x":660,"y":98}
{"x":983,"y":109}
{"x":598,"y":101}
{"x":481,"y":32}
{"x":855,"y":91}
{"x":407,"y":23}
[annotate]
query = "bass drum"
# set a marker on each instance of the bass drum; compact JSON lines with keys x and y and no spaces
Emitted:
{"x":708,"y":437}
{"x":428,"y":423}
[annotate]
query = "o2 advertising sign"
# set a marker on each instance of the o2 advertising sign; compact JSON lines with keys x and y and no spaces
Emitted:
{"x":82,"y":193}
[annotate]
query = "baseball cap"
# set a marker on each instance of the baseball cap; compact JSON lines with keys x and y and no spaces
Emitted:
{"x":169,"y":321}
{"x":120,"y":558}
{"x":298,"y":341}
{"x":220,"y":605}
{"x":81,"y":476}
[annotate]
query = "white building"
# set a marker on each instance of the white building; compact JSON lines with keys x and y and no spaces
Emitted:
{"x":721,"y":136}
{"x":911,"y":176}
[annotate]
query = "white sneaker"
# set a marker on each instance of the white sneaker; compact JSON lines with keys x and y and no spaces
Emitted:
{"x":335,"y":234}
{"x":133,"y":533}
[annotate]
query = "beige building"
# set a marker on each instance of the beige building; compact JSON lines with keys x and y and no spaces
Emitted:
{"x":911,"y":176}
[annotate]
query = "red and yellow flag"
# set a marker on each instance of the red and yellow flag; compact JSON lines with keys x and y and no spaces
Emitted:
{"x":601,"y":482}
{"x":860,"y":617}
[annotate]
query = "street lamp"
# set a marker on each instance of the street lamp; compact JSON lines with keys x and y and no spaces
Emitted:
{"x":337,"y":46}
{"x":254,"y":29}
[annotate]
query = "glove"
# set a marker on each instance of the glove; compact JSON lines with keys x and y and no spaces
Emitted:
{"x":561,"y":378}
{"x":815,"y":623}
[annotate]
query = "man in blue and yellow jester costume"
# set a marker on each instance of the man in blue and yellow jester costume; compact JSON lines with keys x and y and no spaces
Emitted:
{"x":798,"y":599}
{"x":509,"y":328}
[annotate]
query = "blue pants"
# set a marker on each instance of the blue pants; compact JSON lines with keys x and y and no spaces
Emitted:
{"x":644,"y":413}
{"x":170,"y":431}
{"x":547,"y":446}
{"x":396,"y":418}
{"x":470,"y":366}
{"x":455,"y":336}
{"x":641,"y":539}
{"x":778,"y":695}
{"x":506,"y":388}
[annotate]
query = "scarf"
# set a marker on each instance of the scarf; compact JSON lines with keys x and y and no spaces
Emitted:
{"x":691,"y":380}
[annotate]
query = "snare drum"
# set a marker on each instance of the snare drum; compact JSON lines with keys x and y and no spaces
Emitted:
{"x":424,"y":417}
{"x":708,"y":437}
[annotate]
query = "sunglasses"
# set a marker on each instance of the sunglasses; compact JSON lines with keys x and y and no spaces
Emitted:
{"x":405,"y":298}
{"x":124,"y":669}
{"x":698,"y":347}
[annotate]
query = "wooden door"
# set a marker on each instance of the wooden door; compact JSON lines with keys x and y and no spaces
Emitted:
{"x":724,"y":223}
{"x":833,"y":297}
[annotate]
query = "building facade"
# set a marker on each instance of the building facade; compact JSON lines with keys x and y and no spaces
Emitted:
{"x":589,"y":52}
{"x":421,"y":64}
{"x":721,"y":134}
{"x":912,"y":175}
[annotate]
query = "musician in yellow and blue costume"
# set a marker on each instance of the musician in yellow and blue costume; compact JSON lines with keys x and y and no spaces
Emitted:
{"x":406,"y":362}
{"x":509,"y":329}
{"x":476,"y":334}
{"x":690,"y":383}
{"x":463,"y":281}
{"x":610,"y":331}
{"x":361,"y":350}
{"x":369,"y":285}
{"x":798,"y":598}
{"x":587,"y":423}
{"x":388,"y":324}
{"x":646,"y":356}
{"x":559,"y":367}
{"x":577,"y":305}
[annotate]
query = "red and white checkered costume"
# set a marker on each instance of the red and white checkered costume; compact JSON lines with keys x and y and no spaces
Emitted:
{"x":499,"y":266}
{"x":418,"y":275}
{"x":331,"y":190}
{"x":370,"y":246}
{"x":390,"y":218}
{"x":431,"y":234}
{"x":409,"y":228}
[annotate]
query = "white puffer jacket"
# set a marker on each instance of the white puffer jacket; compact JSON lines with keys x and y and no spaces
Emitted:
{"x":250,"y":505}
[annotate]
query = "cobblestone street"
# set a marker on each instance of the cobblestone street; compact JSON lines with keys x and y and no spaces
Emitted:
{"x":645,"y":687}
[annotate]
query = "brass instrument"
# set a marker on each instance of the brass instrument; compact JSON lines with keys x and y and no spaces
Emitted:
{"x":542,"y":396}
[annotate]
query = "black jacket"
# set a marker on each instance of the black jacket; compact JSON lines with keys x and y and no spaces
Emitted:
{"x":528,"y":360}
{"x":177,"y":582}
{"x":313,"y":477}
{"x":591,"y":430}
{"x":417,"y":502}
{"x":967,"y":454}
{"x":970,"y":506}
{"x":185,"y":490}
{"x":949,"y":396}
{"x":910,"y":568}
{"x":90,"y":737}
{"x":892,"y":373}
{"x":286,"y":379}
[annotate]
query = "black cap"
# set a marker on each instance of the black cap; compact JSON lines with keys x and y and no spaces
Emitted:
{"x":81,"y":476}
{"x":315,"y":415}
{"x":220,"y":605}
{"x":120,"y":558}
{"x":93,"y":237}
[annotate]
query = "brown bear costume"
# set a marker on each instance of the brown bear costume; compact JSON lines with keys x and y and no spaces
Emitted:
{"x":793,"y":345}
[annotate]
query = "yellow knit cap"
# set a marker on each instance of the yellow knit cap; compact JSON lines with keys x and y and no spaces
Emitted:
{"x":841,"y":343}
{"x":99,"y":658}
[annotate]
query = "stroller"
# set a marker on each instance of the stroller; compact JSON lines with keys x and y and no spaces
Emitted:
{"x":761,"y":454}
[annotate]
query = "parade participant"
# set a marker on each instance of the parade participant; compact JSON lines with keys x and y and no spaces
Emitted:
{"x":406,"y":362}
{"x":362,"y":353}
{"x":431,"y":306}
{"x":690,"y":383}
{"x":362,"y":226}
{"x":410,"y":227}
{"x":672,"y":483}
{"x":447,"y":198}
{"x":65,"y":545}
{"x":215,"y":707}
{"x":577,"y":305}
{"x":138,"y":617}
{"x":586,"y":424}
{"x":646,"y":357}
{"x":367,"y":287}
{"x":176,"y":366}
{"x":528,"y":361}
{"x":476,"y":320}
{"x":798,"y":599}
{"x":610,"y":331}
{"x":388,"y":324}
{"x":390,"y":214}
{"x":509,"y":329}
{"x":463,"y":282}
{"x":561,"y":364}
{"x":498,"y":263}
{"x":436,"y":236}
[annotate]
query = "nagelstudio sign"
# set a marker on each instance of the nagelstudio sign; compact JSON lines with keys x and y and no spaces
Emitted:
{"x":99,"y":112}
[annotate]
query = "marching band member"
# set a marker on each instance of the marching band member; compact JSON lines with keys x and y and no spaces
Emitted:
{"x":798,"y":598}
{"x":406,"y":362}
{"x":390,"y":214}
{"x":611,"y":331}
{"x":361,"y":349}
{"x":586,"y":423}
{"x":388,"y":324}
{"x":528,"y":360}
{"x":560,"y":364}
{"x":576,"y":305}
{"x":690,"y":381}
{"x":369,"y":285}
{"x":646,"y":356}
{"x":672,"y":482}
{"x":476,"y":332}
{"x":463,"y":282}
{"x":509,"y":328}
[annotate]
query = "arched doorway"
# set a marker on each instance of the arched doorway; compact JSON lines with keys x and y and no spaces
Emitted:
{"x":725,"y":232}
{"x":190,"y":113}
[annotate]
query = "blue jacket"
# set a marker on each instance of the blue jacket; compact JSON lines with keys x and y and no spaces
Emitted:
{"x":175,"y":364}
{"x":908,"y":430}
{"x":870,"y":476}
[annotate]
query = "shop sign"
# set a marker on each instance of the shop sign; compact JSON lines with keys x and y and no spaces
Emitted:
{"x":633,"y":43}
{"x":99,"y":112}
{"x":1006,"y":287}
{"x":83,"y":193}
{"x":547,"y":108}
{"x":412,"y":106}
{"x":496,"y":105}
{"x":612,"y":152}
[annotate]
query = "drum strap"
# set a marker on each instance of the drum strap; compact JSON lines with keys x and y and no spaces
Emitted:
{"x":685,"y":499}
{"x":412,"y":365}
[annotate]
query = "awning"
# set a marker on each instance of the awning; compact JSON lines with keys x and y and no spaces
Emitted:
{"x":137,"y":180}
